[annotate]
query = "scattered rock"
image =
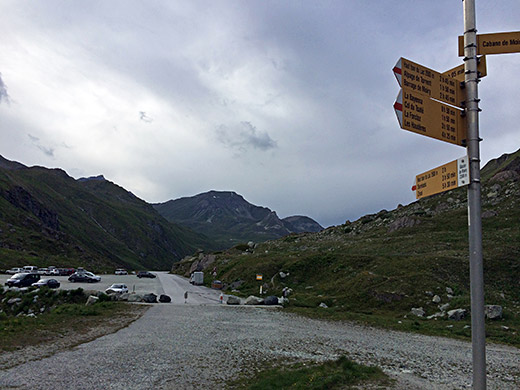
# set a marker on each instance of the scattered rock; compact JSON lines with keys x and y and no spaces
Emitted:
{"x":418,"y":311}
{"x":271,"y":300}
{"x":436,"y":299}
{"x":444,"y":307}
{"x":150,"y":298}
{"x":252,"y":300}
{"x":164,"y":298}
{"x":489,"y":214}
{"x":449,"y":290}
{"x":323,"y":305}
{"x":493,"y":312}
{"x":232,"y":300}
{"x":91,"y":300}
{"x":12,"y":301}
{"x":505,"y":176}
{"x":403,"y":222}
{"x":457,"y":314}
{"x":135,"y":298}
{"x":283,"y":275}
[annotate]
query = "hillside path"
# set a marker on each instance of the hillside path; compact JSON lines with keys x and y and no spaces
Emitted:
{"x":200,"y":346}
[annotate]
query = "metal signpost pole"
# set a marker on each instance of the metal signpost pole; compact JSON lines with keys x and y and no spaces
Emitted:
{"x":478,"y":335}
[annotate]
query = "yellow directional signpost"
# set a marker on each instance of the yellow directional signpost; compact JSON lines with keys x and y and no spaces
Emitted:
{"x":418,"y":113}
{"x":496,"y":43}
{"x":444,"y":178}
{"x":457,"y":73}
{"x":427,"y":81}
{"x":429,"y":104}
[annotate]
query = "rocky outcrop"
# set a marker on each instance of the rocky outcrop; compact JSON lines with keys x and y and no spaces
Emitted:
{"x":403,"y":222}
{"x":20,"y":197}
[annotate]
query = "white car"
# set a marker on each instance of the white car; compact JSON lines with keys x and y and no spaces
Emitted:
{"x":121,"y":271}
{"x":13,"y":271}
{"x":117,"y":289}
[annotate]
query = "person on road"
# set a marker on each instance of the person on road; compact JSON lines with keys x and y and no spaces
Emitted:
{"x":186,"y":297}
{"x":221,"y":298}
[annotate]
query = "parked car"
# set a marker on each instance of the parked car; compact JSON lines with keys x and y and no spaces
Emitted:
{"x":145,"y":274}
{"x":51,"y":283}
{"x":22,"y":279}
{"x":121,"y":271}
{"x":13,"y":271}
{"x":52,"y":271}
{"x":84,"y":277}
{"x":117,"y":288}
{"x":30,"y":268}
{"x":66,"y":271}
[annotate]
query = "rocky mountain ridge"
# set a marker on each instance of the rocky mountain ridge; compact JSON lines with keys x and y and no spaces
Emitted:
{"x":49,"y":217}
{"x":228,"y":218}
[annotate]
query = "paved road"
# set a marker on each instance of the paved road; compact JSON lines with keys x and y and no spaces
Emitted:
{"x":200,"y":345}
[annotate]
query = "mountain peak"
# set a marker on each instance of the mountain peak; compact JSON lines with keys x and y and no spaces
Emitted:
{"x":229,"y":219}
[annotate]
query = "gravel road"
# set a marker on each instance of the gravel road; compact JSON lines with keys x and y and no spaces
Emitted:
{"x":200,"y":346}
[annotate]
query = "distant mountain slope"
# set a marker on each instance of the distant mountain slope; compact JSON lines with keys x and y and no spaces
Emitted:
{"x":379,"y":267}
{"x":48,"y":218}
{"x":229,"y":219}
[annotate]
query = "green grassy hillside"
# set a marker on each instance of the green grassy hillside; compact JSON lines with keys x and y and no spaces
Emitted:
{"x":379,"y":267}
{"x":48,"y":218}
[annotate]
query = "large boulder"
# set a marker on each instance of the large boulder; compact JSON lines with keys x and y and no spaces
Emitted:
{"x":252,"y":300}
{"x":271,"y":300}
{"x":150,"y":298}
{"x":232,"y":300}
{"x":135,"y":298}
{"x":164,"y":298}
{"x":493,"y":312}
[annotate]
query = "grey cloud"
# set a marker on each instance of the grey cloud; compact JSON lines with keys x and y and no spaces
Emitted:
{"x":4,"y":96}
{"x":245,"y":136}
{"x":145,"y":118}
{"x":49,"y":151}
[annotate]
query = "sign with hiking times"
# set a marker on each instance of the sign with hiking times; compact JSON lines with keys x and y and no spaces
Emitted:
{"x":458,"y":74}
{"x":418,"y":113}
{"x":444,"y":178}
{"x":436,"y":85}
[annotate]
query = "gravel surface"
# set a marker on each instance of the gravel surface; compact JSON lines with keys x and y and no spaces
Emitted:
{"x":202,"y":346}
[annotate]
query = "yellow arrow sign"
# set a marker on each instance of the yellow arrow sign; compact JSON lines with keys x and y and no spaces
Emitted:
{"x":496,"y":43}
{"x":457,"y":73}
{"x":418,"y":113}
{"x":421,"y":79}
{"x":444,"y":178}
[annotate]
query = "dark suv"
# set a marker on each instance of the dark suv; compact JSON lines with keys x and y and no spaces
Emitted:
{"x":22,"y":280}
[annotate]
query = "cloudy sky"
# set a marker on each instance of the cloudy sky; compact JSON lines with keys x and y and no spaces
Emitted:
{"x":288,"y":103}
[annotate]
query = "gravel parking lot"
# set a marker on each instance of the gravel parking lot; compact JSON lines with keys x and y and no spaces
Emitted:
{"x":139,"y":285}
{"x":200,"y":346}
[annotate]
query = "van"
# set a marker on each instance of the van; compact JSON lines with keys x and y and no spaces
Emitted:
{"x":197,"y":278}
{"x":30,"y":268}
